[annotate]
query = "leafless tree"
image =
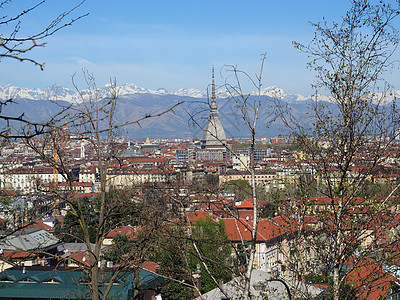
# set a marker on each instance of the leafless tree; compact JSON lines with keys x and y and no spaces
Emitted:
{"x":248,"y":105}
{"x":16,"y":45}
{"x":344,"y":143}
{"x":92,"y":119}
{"x":249,"y":108}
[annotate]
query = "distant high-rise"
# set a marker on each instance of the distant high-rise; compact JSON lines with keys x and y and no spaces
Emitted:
{"x":214,"y":134}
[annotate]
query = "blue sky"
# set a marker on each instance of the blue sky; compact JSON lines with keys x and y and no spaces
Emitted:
{"x":172,"y":44}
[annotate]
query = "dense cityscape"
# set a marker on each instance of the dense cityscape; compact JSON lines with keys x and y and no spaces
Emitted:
{"x":50,"y":180}
{"x":216,"y":186}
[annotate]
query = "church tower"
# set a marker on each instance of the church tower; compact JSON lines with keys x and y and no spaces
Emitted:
{"x":214,"y":134}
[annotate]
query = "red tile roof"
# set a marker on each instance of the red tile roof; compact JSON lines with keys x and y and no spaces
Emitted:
{"x":369,"y":279}
{"x":124,"y":230}
{"x":150,"y":265}
{"x":240,"y":229}
{"x":40,"y":225}
{"x":80,"y":257}
{"x":198,"y":214}
{"x":9,"y":254}
{"x":246,"y":204}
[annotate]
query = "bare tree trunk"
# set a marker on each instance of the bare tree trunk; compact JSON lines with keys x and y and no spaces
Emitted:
{"x":253,"y":248}
{"x":95,"y":282}
{"x":348,"y":143}
{"x":249,"y":109}
{"x":336,"y":282}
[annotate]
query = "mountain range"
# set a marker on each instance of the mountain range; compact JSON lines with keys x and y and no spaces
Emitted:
{"x":186,"y":120}
{"x":56,"y":92}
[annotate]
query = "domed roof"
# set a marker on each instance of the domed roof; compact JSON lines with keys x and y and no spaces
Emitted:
{"x":214,"y":131}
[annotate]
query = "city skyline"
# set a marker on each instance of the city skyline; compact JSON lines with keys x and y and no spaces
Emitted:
{"x":173,"y":45}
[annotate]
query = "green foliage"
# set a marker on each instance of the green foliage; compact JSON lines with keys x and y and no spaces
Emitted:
{"x":316,"y":278}
{"x":72,"y":230}
{"x":121,"y":245}
{"x":179,"y":259}
{"x":172,"y":290}
{"x":212,"y":180}
{"x":214,"y":247}
{"x":272,"y":197}
{"x":380,"y":189}
{"x":243,"y":255}
{"x":268,"y":210}
{"x":120,"y":210}
{"x":239,"y":145}
{"x":346,"y":292}
{"x":241,"y":188}
{"x":208,"y":184}
{"x":170,"y":254}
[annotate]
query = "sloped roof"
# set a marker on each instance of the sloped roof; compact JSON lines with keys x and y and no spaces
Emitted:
{"x":198,"y":214}
{"x":246,"y":204}
{"x":82,"y":257}
{"x":240,"y":229}
{"x":34,"y":240}
{"x":67,"y":283}
{"x":124,"y":230}
{"x":39,"y":224}
{"x":262,"y":286}
{"x":370,"y":280}
{"x":11,"y":254}
{"x":71,"y":247}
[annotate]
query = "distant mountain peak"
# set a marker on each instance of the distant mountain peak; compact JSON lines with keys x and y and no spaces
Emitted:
{"x":56,"y":92}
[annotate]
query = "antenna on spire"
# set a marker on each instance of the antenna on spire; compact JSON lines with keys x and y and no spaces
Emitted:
{"x":213,"y":100}
{"x":213,"y":107}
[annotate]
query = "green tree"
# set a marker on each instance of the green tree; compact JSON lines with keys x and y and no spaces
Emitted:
{"x":121,"y":246}
{"x":241,"y":188}
{"x":182,"y":254}
{"x":243,"y":254}
{"x":71,"y":231}
{"x":214,"y":252}
{"x":171,"y":255}
{"x":121,"y":211}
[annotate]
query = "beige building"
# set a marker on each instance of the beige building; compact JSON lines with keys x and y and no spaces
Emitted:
{"x":26,"y":180}
{"x":260,"y":177}
{"x":127,"y":177}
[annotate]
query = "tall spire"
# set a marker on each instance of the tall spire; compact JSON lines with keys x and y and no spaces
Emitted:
{"x":213,"y":107}
{"x":214,"y":134}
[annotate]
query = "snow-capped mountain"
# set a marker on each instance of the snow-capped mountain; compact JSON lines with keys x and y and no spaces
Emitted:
{"x":277,"y":92}
{"x":136,"y":102}
{"x":56,"y":92}
{"x":53,"y":92}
